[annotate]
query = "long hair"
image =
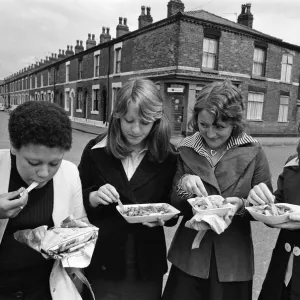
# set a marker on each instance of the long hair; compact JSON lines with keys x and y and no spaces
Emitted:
{"x":225,"y":102}
{"x":144,"y":94}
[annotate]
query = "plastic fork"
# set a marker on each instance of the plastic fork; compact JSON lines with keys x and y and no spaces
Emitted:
{"x":122,"y":208}
{"x":31,"y":187}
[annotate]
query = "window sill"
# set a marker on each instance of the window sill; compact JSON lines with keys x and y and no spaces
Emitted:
{"x":207,"y":70}
{"x":67,"y":109}
{"x":249,"y":120}
{"x":285,"y":82}
{"x":79,"y":110}
{"x":79,"y":80}
{"x":95,"y":112}
{"x":283,"y":122}
{"x":116,"y":74}
{"x":257,"y":77}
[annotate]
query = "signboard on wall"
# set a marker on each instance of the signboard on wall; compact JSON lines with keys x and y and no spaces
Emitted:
{"x":175,"y":90}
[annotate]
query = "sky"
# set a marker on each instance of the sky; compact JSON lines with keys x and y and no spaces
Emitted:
{"x":30,"y":30}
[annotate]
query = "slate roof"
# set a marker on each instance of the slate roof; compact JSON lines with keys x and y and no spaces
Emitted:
{"x":207,"y":16}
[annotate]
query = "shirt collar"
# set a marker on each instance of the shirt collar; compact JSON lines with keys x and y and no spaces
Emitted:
{"x":103,"y":143}
{"x":196,"y":142}
{"x":292,"y":163}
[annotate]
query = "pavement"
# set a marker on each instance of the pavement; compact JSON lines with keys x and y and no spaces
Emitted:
{"x":265,"y":141}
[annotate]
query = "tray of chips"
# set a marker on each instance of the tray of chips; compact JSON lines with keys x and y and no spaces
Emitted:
{"x":210,"y":205}
{"x":273,"y":214}
{"x":143,"y":213}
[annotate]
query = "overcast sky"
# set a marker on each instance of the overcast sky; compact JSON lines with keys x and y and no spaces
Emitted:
{"x":32,"y":29}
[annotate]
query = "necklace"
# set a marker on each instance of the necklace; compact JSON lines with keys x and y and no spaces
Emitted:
{"x":213,"y":152}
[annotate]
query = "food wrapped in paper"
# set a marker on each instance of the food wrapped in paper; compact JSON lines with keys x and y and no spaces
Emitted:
{"x":73,"y":242}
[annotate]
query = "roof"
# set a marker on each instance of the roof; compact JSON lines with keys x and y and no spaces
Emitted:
{"x":207,"y":16}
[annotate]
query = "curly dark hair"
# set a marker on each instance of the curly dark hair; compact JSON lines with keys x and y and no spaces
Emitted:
{"x":225,"y":102}
{"x":41,"y":123}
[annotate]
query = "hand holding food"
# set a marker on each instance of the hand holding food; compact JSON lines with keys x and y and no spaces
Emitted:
{"x":292,"y":224}
{"x":159,"y":222}
{"x":194,"y":185}
{"x":260,"y":194}
{"x":11,"y":204}
{"x":105,"y":195}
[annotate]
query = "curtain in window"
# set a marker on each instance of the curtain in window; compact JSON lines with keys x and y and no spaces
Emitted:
{"x":258,"y":62}
{"x":255,"y":106}
{"x":286,"y":68}
{"x":283,"y":109}
{"x":210,"y":47}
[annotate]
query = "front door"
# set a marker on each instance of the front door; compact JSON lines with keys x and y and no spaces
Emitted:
{"x":176,"y":113}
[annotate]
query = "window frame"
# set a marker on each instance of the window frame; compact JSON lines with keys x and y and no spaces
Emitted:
{"x":249,"y":108}
{"x":283,"y":111}
{"x":284,"y":75}
{"x":95,"y":92}
{"x":208,"y":54}
{"x":259,"y":63}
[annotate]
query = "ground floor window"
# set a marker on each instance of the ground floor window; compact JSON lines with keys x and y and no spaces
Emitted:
{"x":79,"y":99}
{"x":283,"y":109}
{"x":255,"y":106}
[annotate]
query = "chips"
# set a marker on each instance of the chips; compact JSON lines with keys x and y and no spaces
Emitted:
{"x":145,"y":210}
{"x":267,"y":210}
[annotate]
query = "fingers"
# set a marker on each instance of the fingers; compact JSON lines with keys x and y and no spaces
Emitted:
{"x":193,"y":184}
{"x":108,"y":193}
{"x":294,"y":217}
{"x":260,"y":194}
{"x":19,"y":202}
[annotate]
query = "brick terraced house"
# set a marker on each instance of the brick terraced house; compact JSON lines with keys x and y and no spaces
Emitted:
{"x":181,"y":53}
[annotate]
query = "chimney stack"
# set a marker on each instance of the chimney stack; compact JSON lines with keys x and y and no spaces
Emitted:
{"x":105,"y":36}
{"x":122,"y":28}
{"x":77,"y":47}
{"x":175,"y":6}
{"x":90,"y":42}
{"x":246,"y":17}
{"x":145,"y":20}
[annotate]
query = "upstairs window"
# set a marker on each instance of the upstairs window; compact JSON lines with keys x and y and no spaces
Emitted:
{"x":49,"y":77}
{"x":118,"y":60}
{"x":259,"y":62}
{"x":210,"y":52}
{"x":42,"y":80}
{"x":67,"y":71}
{"x":80,"y":69}
{"x":286,"y":67}
{"x":96,"y":65}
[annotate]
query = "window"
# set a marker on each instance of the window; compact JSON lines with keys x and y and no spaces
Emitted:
{"x":210,"y":50}
{"x":80,"y":69}
{"x":198,"y":90}
{"x":42,"y":96}
{"x":286,"y":67}
{"x":79,"y":100}
{"x":97,"y":65}
{"x":259,"y":62}
{"x":95,"y":98}
{"x":67,"y":99}
{"x":255,"y":106}
{"x":42,"y":80}
{"x":49,"y":76}
{"x":67,"y":71}
{"x":30,"y":82}
{"x":118,"y":60}
{"x":283,"y":109}
{"x":22,"y":84}
{"x":35,"y":83}
{"x":116,"y":86}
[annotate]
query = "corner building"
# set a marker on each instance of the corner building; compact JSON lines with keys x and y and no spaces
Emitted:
{"x":181,"y":53}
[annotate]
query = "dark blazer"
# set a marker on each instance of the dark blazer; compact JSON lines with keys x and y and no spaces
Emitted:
{"x":288,"y":191}
{"x":151,"y":183}
{"x":236,"y":173}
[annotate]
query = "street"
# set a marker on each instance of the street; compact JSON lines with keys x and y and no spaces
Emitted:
{"x":263,"y":236}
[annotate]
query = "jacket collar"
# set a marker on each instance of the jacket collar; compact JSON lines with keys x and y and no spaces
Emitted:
{"x":232,"y":165}
{"x":292,"y":163}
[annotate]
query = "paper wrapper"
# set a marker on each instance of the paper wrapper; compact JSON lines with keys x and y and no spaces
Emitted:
{"x":73,"y":242}
{"x":203,"y":223}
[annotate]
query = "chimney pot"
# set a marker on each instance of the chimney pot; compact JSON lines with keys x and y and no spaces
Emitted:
{"x":81,"y":43}
{"x":107,"y":30}
{"x":68,"y":47}
{"x":143,"y":9}
{"x":148,"y":11}
{"x":103,"y":29}
{"x":120,"y":20}
{"x":77,"y":42}
{"x":71,"y":48}
{"x":93,"y":37}
{"x":89,"y":36}
{"x":59,"y":51}
{"x":125,"y":21}
{"x":63,"y":52}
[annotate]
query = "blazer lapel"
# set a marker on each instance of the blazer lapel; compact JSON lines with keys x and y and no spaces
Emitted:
{"x":111,"y":171}
{"x":233,"y":165}
{"x":203,"y":169}
{"x":146,"y":170}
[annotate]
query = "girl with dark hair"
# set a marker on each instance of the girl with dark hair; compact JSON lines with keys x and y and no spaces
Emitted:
{"x":283,"y":276}
{"x":40,"y":134}
{"x":134,"y":162}
{"x":218,"y":159}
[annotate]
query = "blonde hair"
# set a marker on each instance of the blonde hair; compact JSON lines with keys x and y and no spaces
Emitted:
{"x":144,"y":94}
